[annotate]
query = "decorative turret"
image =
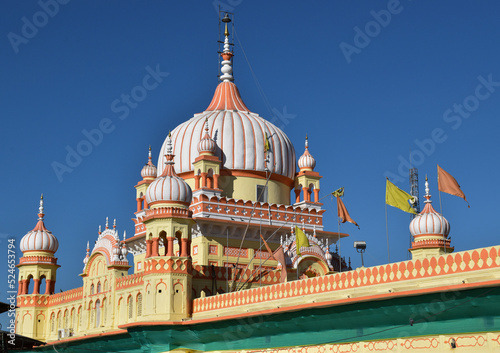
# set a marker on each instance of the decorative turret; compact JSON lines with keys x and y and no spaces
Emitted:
{"x":39,"y":239}
{"x":430,"y":231}
{"x":307,"y":180}
{"x":38,"y":262}
{"x":207,"y":145}
{"x":169,"y":188}
{"x":148,"y":172}
{"x":306,"y":161}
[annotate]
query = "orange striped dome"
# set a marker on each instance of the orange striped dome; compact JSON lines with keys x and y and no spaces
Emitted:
{"x":239,"y":136}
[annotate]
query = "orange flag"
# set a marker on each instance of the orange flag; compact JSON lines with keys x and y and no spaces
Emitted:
{"x":279,"y":255}
{"x":268,"y":248}
{"x":448,"y":184}
{"x":343,"y":214}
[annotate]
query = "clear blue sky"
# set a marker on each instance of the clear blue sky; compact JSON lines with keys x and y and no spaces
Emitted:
{"x":366,"y":94}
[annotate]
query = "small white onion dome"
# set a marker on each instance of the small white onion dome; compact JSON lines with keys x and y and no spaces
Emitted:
{"x":40,"y":238}
{"x":307,"y":161}
{"x":206,"y":144}
{"x":149,"y":170}
{"x":429,"y":222}
{"x":169,"y":187}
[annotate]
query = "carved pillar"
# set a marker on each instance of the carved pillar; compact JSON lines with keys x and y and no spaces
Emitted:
{"x":48,"y":286}
{"x":216,"y":181}
{"x":197,"y":182}
{"x":316,"y":195}
{"x":155,"y":246}
{"x":306,"y":194}
{"x":170,"y":248}
{"x":184,"y":247}
{"x":149,"y":246}
{"x":203,"y":180}
{"x":139,"y":204}
{"x":36,"y":286}
{"x":297,"y":195}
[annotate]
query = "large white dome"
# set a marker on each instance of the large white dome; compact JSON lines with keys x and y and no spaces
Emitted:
{"x":239,"y":134}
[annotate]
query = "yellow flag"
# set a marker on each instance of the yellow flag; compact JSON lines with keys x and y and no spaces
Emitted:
{"x":398,"y":198}
{"x":300,"y":239}
{"x":266,"y":144}
{"x":339,"y":192}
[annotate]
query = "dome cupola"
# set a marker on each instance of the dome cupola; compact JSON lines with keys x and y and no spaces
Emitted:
{"x":40,"y":238}
{"x":149,"y":171}
{"x":306,"y":161}
{"x":169,"y":187}
{"x":429,"y":222}
{"x":430,"y":231}
{"x":206,"y":144}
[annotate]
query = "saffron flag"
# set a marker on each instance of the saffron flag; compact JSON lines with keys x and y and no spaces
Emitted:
{"x":339,"y":192}
{"x":268,"y":248}
{"x":300,"y":239}
{"x":398,"y":198}
{"x":266,"y":144}
{"x":448,"y":184}
{"x":279,"y":255}
{"x":343,"y":214}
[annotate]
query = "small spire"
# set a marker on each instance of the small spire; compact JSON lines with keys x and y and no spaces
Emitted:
{"x":307,"y":142}
{"x":149,"y":154}
{"x":427,"y":195}
{"x":40,"y":209}
{"x":169,"y":149}
{"x":107,"y":224}
{"x":100,"y":229}
{"x":88,"y":246}
{"x":226,"y":54}
{"x":124,"y":235}
{"x":114,"y":223}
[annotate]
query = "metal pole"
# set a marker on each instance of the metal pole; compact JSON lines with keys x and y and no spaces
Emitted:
{"x":387,"y":234}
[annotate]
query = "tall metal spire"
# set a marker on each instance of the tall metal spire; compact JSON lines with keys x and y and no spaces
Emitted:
{"x":226,"y":54}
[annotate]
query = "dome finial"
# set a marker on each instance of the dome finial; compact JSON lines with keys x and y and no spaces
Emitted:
{"x":107,"y":224}
{"x":427,"y":195}
{"x":226,"y":54}
{"x":40,"y":209}
{"x":149,"y":170}
{"x":306,"y":161}
{"x":100,"y":229}
{"x":114,"y":223}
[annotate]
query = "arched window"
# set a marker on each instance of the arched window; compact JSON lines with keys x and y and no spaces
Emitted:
{"x":139,"y":305}
{"x":53,"y":323}
{"x":43,"y":285}
{"x":97,"y":312}
{"x":92,"y":316}
{"x":104,"y":312}
{"x":66,"y":319}
{"x":98,"y":287}
{"x":92,"y":288}
{"x":130,"y":307}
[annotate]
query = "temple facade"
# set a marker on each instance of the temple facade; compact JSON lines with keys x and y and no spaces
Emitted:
{"x":215,"y":264}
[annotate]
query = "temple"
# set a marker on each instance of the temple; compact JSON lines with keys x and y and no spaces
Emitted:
{"x":216,"y":266}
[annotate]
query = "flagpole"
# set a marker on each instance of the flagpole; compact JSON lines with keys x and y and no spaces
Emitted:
{"x":442,"y":217}
{"x":387,"y":234}
{"x":338,"y":241}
